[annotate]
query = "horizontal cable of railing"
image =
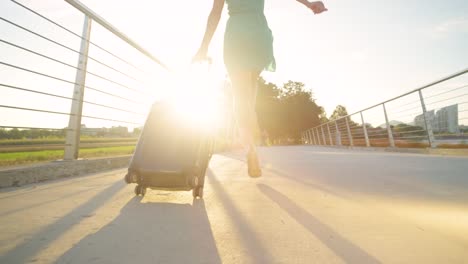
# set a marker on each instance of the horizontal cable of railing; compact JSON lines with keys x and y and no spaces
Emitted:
{"x":69,"y":98}
{"x":73,"y":33}
{"x":34,"y":128}
{"x":68,"y":114}
{"x":63,"y":46}
{"x":70,"y":82}
{"x":72,"y":66}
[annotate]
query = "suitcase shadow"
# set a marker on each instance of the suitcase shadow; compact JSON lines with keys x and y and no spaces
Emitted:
{"x":150,"y":233}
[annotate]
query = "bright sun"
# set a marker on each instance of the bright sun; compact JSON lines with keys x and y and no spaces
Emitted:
{"x":196,"y":98}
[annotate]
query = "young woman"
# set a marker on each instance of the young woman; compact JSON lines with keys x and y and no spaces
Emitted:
{"x":248,"y":50}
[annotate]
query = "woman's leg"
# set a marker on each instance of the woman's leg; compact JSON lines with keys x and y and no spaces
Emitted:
{"x":244,"y":86}
{"x":256,"y":128}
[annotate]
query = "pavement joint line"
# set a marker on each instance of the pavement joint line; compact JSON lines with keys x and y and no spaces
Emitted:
{"x":427,"y":151}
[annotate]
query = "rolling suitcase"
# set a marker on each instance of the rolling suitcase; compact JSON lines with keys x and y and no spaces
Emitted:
{"x":171,"y":154}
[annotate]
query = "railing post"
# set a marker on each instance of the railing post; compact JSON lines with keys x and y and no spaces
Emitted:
{"x":338,"y":134}
{"x":365,"y":130}
{"x":74,"y":123}
{"x":316,"y":141}
{"x":430,"y":133}
{"x":329,"y":134}
{"x":318,"y":136}
{"x":389,"y":128}
{"x":314,"y":136}
{"x":323,"y":136}
{"x":350,"y":136}
{"x":309,"y":137}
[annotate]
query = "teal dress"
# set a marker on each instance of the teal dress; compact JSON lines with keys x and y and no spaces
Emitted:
{"x":248,"y":41}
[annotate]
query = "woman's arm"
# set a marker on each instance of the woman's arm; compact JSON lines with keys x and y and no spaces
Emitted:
{"x":212,"y":24}
{"x":317,"y":7}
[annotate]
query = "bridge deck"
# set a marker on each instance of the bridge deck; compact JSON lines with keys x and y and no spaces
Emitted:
{"x":313,"y":205}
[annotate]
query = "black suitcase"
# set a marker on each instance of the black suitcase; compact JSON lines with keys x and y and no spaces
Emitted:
{"x":171,"y":154}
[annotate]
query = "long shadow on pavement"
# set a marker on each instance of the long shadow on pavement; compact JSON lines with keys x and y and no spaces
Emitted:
{"x":342,"y":247}
{"x":150,"y":233}
{"x":23,"y":252}
{"x":63,"y":197}
{"x":253,"y":245}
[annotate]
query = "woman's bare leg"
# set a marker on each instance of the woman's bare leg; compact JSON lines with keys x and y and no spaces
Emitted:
{"x":245,"y":93}
{"x":256,"y":128}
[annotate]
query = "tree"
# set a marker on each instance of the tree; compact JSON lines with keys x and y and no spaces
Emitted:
{"x":15,"y":134}
{"x":287,"y":111}
{"x":323,"y":116}
{"x":268,"y":108}
{"x":339,"y":111}
{"x":3,"y":133}
{"x":300,"y":111}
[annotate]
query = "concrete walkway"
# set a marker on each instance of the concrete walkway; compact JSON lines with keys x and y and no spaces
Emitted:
{"x":313,"y":205}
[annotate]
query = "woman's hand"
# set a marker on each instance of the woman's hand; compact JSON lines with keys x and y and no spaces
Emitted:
{"x":201,"y":56}
{"x":317,"y":7}
{"x":212,"y":24}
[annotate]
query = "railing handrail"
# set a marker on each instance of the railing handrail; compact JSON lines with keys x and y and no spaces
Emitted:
{"x":400,"y":96}
{"x":98,"y":19}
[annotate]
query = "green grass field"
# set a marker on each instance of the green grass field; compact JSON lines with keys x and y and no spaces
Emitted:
{"x":45,"y":141}
{"x":19,"y":158}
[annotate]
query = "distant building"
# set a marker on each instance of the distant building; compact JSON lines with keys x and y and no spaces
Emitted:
{"x":420,"y":122}
{"x":444,"y":120}
{"x":447,"y":119}
{"x":118,"y":131}
{"x":92,"y":131}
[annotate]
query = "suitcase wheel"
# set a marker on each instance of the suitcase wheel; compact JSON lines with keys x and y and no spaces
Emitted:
{"x":197,"y":192}
{"x":127,"y":178}
{"x":130,"y":177}
{"x":195,"y":181}
{"x":140,"y":190}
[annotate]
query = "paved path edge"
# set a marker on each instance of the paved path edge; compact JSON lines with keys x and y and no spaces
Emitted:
{"x":19,"y":176}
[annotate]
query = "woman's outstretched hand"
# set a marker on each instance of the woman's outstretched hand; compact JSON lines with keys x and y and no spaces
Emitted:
{"x":201,"y":56}
{"x":317,"y":7}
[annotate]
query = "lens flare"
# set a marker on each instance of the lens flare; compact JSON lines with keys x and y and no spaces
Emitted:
{"x":196,"y":99}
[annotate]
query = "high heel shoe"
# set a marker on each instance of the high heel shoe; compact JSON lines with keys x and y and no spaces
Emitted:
{"x":253,"y":165}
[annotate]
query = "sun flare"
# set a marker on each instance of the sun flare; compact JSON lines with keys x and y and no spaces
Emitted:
{"x":196,"y":98}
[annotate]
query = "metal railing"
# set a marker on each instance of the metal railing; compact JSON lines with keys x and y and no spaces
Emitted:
{"x":434,"y":115}
{"x":107,"y":87}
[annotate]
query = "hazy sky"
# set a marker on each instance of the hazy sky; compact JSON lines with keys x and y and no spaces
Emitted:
{"x":357,"y":54}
